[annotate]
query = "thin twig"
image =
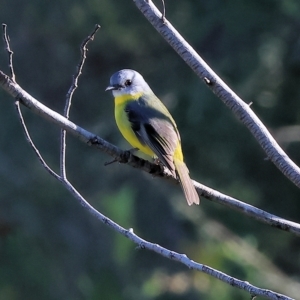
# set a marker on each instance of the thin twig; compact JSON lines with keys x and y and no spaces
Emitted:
{"x":10,"y":53}
{"x":163,"y":16}
{"x":241,"y":109}
{"x":36,"y":151}
{"x":74,"y":86}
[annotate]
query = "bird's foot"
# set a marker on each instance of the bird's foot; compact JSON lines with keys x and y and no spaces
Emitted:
{"x":123,"y":158}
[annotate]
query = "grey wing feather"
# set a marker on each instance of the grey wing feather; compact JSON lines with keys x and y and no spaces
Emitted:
{"x":154,"y":129}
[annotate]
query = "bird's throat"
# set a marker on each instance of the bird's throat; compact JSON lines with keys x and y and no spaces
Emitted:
{"x":126,"y":97}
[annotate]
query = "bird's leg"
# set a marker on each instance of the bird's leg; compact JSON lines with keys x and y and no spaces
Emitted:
{"x":110,"y":162}
{"x":124,"y":157}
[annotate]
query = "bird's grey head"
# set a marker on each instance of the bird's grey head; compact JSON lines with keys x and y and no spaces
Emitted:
{"x":127,"y":82}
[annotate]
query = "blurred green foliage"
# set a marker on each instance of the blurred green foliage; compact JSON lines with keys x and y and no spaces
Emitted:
{"x":50,"y":248}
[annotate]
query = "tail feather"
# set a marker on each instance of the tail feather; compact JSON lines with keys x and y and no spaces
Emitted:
{"x":187,"y":185}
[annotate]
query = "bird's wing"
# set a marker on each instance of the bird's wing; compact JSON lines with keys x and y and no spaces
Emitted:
{"x":155,"y":129}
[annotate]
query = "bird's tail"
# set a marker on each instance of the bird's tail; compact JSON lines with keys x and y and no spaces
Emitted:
{"x":186,"y":182}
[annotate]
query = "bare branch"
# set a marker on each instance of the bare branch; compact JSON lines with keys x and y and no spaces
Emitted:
{"x":182,"y":258}
{"x":10,"y":53}
{"x":83,"y":50}
{"x":74,"y":86}
{"x":36,"y":151}
{"x":163,"y":17}
{"x":248,"y":210}
{"x":241,"y":109}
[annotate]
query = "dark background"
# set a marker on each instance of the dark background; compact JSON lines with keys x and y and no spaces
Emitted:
{"x":51,"y":248}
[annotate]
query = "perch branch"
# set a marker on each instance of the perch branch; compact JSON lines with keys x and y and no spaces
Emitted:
{"x":127,"y":157}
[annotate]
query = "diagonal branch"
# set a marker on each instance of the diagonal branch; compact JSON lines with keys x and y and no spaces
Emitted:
{"x":29,"y":140}
{"x":127,"y":157}
{"x":241,"y":109}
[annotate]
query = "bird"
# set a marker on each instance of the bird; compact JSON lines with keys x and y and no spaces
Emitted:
{"x":147,"y":125}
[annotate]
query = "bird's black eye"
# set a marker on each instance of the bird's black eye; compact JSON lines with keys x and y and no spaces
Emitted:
{"x":128,"y":82}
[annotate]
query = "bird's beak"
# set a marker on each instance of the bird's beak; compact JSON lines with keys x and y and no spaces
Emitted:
{"x":110,"y":88}
{"x":114,"y":87}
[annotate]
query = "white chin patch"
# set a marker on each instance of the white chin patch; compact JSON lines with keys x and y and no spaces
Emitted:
{"x":117,"y":93}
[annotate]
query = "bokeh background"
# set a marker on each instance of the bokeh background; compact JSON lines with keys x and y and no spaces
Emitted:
{"x":51,"y":248}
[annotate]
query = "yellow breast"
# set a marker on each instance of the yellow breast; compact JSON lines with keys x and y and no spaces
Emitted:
{"x":125,"y":126}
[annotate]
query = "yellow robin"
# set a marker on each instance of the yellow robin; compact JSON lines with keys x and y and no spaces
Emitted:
{"x":146,"y":124}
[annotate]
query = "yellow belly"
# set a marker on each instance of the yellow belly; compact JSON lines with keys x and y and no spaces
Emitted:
{"x":125,"y":126}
